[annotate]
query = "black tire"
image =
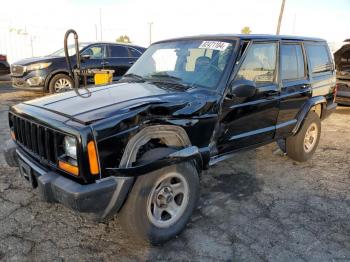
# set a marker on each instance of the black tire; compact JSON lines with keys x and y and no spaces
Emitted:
{"x":295,"y":145}
{"x":134,"y":217}
{"x":57,"y":78}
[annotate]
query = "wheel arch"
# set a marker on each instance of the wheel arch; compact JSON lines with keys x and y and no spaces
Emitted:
{"x":169,"y":135}
{"x":316,"y":104}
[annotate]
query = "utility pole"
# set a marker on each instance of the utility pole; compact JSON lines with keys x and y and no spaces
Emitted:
{"x":280,"y":17}
{"x":96,"y":32}
{"x":295,"y":18}
{"x":31,"y":44}
{"x":150,"y":32}
{"x":100,"y":25}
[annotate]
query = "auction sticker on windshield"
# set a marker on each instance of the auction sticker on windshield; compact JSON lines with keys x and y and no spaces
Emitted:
{"x":214,"y":45}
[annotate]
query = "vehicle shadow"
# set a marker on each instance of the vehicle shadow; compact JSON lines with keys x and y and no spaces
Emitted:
{"x":231,"y":177}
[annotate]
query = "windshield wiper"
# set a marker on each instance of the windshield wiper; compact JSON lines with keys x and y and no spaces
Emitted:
{"x":169,"y":80}
{"x":134,"y":76}
{"x":173,"y":84}
{"x":164,"y":75}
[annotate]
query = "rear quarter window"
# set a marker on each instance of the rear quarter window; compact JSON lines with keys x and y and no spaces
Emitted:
{"x":319,"y":58}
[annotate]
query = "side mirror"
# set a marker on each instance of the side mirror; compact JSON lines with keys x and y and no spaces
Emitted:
{"x":242,"y":88}
{"x":85,"y":57}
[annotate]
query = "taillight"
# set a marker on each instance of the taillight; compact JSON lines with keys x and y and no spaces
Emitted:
{"x":3,"y":58}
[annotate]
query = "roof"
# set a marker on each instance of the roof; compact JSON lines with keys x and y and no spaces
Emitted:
{"x":111,"y":43}
{"x":248,"y":37}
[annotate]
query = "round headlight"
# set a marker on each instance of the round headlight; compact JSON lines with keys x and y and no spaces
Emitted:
{"x":70,"y":146}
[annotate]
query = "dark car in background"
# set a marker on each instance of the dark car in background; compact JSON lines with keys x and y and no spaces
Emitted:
{"x":4,"y":65}
{"x":50,"y":73}
{"x":342,"y":63}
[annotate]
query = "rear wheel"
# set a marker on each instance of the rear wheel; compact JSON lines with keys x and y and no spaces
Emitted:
{"x":161,"y":202}
{"x":60,"y":83}
{"x":302,"y":146}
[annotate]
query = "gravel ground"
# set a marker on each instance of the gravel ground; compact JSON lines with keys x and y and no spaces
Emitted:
{"x":258,"y":206}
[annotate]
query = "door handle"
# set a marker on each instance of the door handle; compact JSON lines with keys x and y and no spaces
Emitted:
{"x":272,"y":93}
{"x":131,"y":63}
{"x":305,"y":86}
{"x":105,"y":63}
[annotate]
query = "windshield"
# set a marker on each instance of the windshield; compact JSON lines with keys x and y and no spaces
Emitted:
{"x":191,"y":62}
{"x":71,"y":50}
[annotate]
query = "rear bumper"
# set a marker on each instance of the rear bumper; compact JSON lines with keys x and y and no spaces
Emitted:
{"x":101,"y":199}
{"x":343,"y":100}
{"x":343,"y":97}
{"x":343,"y":93}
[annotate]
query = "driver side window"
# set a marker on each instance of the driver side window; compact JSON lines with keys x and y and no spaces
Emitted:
{"x":95,"y":52}
{"x":259,"y":64}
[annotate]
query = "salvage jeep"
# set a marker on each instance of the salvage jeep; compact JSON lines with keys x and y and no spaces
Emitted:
{"x":137,"y":147}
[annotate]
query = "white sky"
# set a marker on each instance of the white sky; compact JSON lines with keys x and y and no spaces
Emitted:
{"x":48,"y":20}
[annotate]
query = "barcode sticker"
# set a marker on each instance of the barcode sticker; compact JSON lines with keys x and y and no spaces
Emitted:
{"x":214,"y":45}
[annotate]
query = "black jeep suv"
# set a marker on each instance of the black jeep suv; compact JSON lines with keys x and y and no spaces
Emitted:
{"x":50,"y":73}
{"x":137,"y":147}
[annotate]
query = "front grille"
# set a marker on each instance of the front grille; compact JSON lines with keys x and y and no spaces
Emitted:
{"x":37,"y":139}
{"x":17,"y":70}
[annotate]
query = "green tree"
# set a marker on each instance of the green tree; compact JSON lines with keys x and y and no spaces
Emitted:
{"x":246,"y":30}
{"x":123,"y":39}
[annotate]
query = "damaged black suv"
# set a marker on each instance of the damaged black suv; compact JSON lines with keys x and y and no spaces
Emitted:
{"x":137,"y":147}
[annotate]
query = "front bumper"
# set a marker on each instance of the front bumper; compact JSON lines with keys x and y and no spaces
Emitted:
{"x":31,"y":83}
{"x":101,"y":199}
{"x":29,"y":80}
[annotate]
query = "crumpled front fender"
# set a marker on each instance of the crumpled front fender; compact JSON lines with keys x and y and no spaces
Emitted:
{"x":185,"y":154}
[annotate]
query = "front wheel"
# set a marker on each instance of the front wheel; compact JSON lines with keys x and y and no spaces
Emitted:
{"x":161,"y":203}
{"x":60,"y":83}
{"x":302,"y":146}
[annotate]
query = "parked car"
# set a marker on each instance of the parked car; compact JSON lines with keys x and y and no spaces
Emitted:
{"x":137,"y":147}
{"x":50,"y":73}
{"x":4,"y":65}
{"x":342,"y":63}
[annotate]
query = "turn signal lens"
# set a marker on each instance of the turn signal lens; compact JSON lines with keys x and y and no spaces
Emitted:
{"x":94,"y":167}
{"x":13,"y":135}
{"x":74,"y":170}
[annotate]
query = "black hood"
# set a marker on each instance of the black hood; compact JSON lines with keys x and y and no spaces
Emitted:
{"x":42,"y":59}
{"x":120,"y":98}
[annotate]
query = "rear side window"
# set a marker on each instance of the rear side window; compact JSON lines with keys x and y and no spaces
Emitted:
{"x":319,"y":58}
{"x":134,"y":52}
{"x":118,"y":51}
{"x":260,"y":63}
{"x":292,"y":62}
